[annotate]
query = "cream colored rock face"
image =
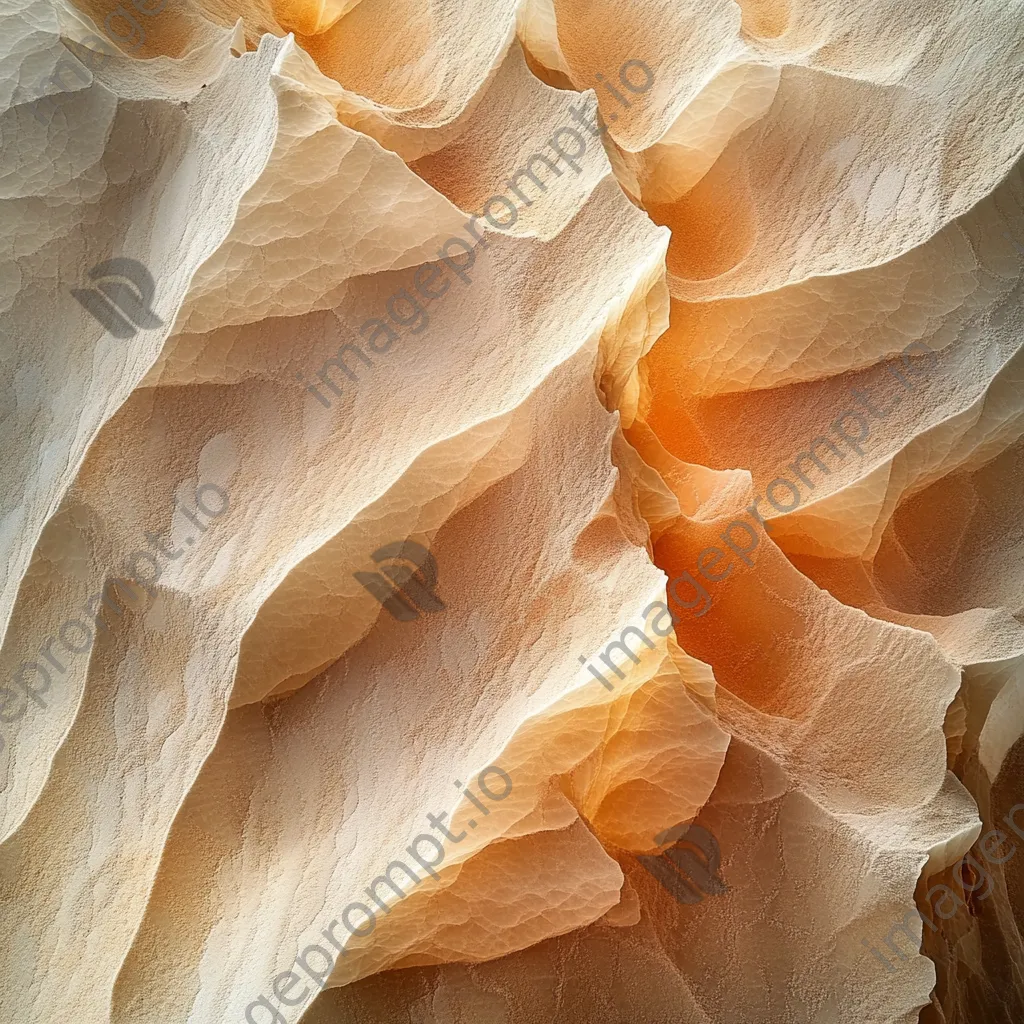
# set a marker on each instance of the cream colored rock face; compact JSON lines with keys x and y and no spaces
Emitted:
{"x":511,"y":512}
